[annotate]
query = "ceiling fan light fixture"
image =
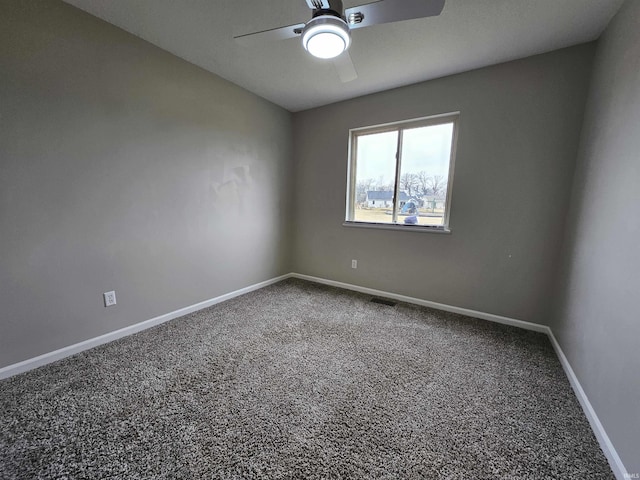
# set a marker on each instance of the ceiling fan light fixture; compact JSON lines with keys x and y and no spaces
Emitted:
{"x":326,"y":36}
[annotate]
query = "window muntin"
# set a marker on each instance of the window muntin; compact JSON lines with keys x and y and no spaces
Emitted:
{"x":401,"y":174}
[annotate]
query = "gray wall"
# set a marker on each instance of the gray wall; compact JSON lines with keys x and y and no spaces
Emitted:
{"x":123,"y":167}
{"x":597,"y":321}
{"x":518,"y":136}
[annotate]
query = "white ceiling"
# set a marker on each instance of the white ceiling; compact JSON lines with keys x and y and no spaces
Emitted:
{"x":468,"y":34}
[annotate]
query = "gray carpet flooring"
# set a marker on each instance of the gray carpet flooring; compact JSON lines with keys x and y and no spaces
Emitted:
{"x":299,"y":380}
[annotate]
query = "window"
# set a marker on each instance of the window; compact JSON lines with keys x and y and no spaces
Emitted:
{"x":401,"y":174}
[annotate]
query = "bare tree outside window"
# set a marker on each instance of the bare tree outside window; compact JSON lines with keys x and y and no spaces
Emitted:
{"x":437,"y":184}
{"x":409,"y":183}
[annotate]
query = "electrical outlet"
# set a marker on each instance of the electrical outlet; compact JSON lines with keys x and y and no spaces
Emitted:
{"x":354,"y":263}
{"x":109,"y":298}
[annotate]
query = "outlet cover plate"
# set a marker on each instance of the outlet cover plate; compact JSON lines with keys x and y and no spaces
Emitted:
{"x":109,"y":298}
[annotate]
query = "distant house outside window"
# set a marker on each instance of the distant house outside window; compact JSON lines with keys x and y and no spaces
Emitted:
{"x":401,"y":174}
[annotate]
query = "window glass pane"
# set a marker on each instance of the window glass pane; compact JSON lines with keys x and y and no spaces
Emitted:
{"x":424,"y":172}
{"x":375,"y":177}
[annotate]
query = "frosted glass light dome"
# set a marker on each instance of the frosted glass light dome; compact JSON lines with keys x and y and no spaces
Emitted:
{"x":326,"y":36}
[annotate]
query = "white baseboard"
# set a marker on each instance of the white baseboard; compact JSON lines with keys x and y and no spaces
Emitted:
{"x":607,"y":447}
{"x":56,"y":355}
{"x":425,"y":303}
{"x":605,"y":443}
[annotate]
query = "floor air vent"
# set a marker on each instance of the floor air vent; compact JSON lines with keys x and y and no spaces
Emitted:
{"x":383,"y":301}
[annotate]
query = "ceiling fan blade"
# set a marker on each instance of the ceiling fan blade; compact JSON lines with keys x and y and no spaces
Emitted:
{"x":345,"y":68}
{"x":281,"y":33}
{"x":387,"y":11}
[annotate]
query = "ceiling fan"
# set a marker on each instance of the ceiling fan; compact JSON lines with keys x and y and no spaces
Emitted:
{"x":328,"y":34}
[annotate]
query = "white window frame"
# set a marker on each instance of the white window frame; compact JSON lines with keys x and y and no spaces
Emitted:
{"x":440,"y":119}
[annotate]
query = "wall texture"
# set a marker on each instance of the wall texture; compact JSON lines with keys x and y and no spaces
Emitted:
{"x":125,"y":168}
{"x":518,"y":136}
{"x":597,"y":321}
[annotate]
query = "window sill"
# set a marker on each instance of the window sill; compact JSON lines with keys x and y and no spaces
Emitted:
{"x":397,"y":227}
